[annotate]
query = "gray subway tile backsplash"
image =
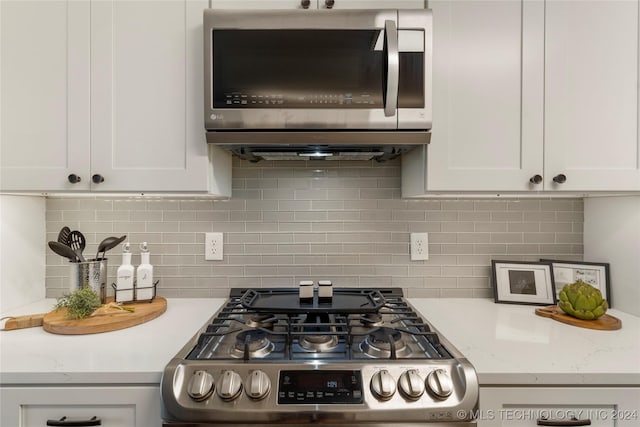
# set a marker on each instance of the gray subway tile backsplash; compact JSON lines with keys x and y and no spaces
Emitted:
{"x":343,"y":221}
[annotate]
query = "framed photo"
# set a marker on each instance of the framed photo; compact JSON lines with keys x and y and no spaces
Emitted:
{"x":523,"y":282}
{"x":593,"y":273}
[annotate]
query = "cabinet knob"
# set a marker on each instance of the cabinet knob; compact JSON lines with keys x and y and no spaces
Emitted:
{"x":305,"y":4}
{"x":329,"y":3}
{"x":536,"y":179}
{"x":97,"y":179}
{"x":560,"y":179}
{"x":74,"y":179}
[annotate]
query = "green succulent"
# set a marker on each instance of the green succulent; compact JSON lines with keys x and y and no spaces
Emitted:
{"x":582,"y":301}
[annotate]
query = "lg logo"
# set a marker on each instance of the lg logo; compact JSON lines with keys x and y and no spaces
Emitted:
{"x":216,"y":117}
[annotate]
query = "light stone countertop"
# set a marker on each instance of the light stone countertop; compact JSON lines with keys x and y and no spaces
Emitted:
{"x":507,"y":344}
{"x":135,"y":355}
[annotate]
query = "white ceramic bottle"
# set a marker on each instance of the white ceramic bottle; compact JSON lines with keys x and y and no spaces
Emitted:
{"x":144,"y":275}
{"x":124,"y":277}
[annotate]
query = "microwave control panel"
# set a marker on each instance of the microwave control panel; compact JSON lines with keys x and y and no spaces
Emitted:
{"x":316,"y":100}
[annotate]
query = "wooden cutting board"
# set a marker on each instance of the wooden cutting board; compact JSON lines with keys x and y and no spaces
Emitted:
{"x":56,"y":321}
{"x":605,"y":322}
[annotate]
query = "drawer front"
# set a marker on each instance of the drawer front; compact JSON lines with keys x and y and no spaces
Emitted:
{"x":525,"y":406}
{"x":528,"y":415}
{"x":114,"y":406}
{"x":109,"y":415}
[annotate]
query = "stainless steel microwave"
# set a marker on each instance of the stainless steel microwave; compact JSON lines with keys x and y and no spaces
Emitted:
{"x":315,"y":78}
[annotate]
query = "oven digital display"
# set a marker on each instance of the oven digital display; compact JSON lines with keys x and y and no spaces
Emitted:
{"x":299,"y":387}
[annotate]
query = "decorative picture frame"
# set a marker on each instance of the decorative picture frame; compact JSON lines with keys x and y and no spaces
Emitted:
{"x":595,"y":274}
{"x":523,"y":282}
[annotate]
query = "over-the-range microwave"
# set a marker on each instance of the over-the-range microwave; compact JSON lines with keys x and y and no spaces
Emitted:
{"x":305,"y":82}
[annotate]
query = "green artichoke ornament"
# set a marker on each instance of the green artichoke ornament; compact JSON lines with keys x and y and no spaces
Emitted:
{"x":582,"y":301}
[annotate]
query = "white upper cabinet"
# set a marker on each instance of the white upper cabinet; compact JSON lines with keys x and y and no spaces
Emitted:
{"x":591,"y":95}
{"x":44,"y":96}
{"x":487,"y":99}
{"x":147,"y":128}
{"x":531,"y":96}
{"x":107,"y":92}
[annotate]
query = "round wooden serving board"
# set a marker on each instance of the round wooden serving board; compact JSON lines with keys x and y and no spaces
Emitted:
{"x":603,"y":323}
{"x":56,"y":322}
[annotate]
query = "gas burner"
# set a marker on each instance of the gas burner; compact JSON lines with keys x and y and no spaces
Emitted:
{"x":318,"y":342}
{"x":385,"y":343}
{"x":371,"y":320}
{"x":253,"y":344}
{"x":262,"y":320}
{"x":316,"y":336}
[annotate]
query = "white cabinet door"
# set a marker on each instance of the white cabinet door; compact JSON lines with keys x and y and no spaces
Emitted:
{"x":317,"y":4}
{"x":44,"y":96}
{"x":371,"y":4}
{"x":114,"y":406}
{"x":524,"y":406}
{"x":487,"y":98}
{"x":147,"y":126}
{"x":591,"y":95}
{"x":261,"y":4}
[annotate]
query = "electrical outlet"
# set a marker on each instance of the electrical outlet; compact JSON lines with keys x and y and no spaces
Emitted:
{"x":419,"y":246}
{"x":213,"y":247}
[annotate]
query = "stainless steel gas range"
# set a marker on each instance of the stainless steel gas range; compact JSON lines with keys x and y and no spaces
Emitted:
{"x":345,"y":356}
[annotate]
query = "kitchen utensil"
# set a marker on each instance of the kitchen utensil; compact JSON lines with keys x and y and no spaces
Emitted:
{"x":605,"y":322}
{"x":64,"y":251}
{"x":103,"y":320}
{"x":77,"y":242}
{"x":63,"y":235}
{"x":108,"y":244}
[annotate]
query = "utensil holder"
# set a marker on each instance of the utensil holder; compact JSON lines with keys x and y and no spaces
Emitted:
{"x":91,"y":273}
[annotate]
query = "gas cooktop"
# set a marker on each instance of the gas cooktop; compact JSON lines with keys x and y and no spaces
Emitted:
{"x":305,"y":355}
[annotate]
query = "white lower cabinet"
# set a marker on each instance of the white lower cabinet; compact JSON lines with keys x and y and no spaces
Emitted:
{"x":317,"y":4}
{"x":558,"y":406}
{"x":114,"y":406}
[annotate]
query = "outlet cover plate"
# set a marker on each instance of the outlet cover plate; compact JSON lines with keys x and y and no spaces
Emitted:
{"x":419,"y":246}
{"x":213,"y":247}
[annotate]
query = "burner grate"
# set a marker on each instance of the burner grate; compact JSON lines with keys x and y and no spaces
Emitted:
{"x":394,"y":331}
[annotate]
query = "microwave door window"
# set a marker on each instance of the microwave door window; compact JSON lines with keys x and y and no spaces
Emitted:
{"x":298,"y":69}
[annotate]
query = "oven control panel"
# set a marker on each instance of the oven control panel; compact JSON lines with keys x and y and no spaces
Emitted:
{"x":305,"y":386}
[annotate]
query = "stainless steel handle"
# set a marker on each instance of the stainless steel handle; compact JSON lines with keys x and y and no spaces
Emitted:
{"x":393,"y":68}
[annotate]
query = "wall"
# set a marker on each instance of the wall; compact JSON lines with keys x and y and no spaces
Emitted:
{"x":612,"y":234}
{"x":344,"y":221}
{"x":22,"y":245}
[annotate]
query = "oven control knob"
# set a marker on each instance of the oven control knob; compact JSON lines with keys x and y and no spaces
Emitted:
{"x":411,"y":384}
{"x":383,"y":385}
{"x":200,"y":386}
{"x":257,"y":385}
{"x":229,"y":385}
{"x":439,"y":384}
